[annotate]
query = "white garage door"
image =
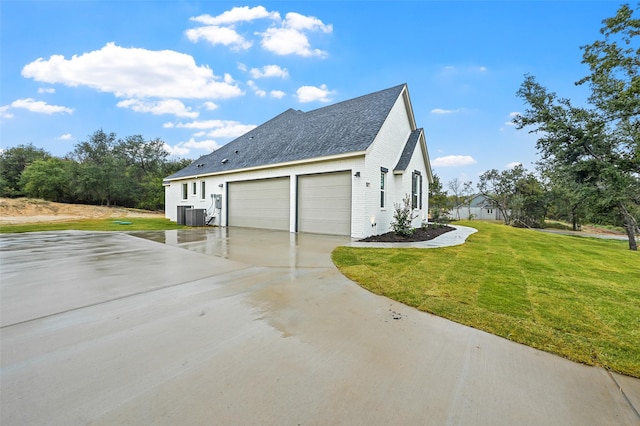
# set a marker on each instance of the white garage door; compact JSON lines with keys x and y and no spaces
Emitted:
{"x":324,"y":203}
{"x":260,"y":203}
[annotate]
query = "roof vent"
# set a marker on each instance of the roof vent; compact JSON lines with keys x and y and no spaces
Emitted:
{"x":224,"y":161}
{"x":236,"y":151}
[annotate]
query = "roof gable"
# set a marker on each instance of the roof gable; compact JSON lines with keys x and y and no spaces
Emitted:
{"x":407,"y":152}
{"x":346,"y":127}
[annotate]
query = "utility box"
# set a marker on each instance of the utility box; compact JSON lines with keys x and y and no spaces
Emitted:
{"x":195,"y":217}
{"x":182,"y":214}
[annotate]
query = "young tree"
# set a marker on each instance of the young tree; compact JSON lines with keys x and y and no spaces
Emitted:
{"x":500,"y":188}
{"x":461,"y":194}
{"x":437,"y":196}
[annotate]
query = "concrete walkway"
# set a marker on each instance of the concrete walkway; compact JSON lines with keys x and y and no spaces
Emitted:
{"x":256,"y":327}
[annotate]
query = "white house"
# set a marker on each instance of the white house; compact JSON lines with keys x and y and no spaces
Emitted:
{"x":334,"y":170}
{"x":479,"y":207}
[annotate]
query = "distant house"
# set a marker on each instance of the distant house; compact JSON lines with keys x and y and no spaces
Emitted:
{"x":480,"y":207}
{"x":334,"y":170}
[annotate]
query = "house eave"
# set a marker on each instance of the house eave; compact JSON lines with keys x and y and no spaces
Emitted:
{"x":270,"y":166}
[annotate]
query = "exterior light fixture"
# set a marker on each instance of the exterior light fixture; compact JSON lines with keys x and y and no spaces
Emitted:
{"x":357,"y":174}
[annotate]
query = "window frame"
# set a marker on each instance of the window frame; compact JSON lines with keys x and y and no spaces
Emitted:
{"x":185,"y":191}
{"x":203,"y":190}
{"x":416,"y":190}
{"x":383,"y":187}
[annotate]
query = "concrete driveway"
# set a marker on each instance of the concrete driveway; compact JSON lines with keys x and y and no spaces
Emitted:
{"x":256,"y":327}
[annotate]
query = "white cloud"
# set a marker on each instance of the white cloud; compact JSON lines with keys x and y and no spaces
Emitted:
{"x":512,"y":115}
{"x":208,"y":145}
{"x":312,"y":93}
{"x":242,"y":67}
{"x":39,"y":106}
{"x":199,"y":134}
{"x":219,"y":35}
{"x":453,"y":161}
{"x":168,"y":106}
{"x":278,"y":94}
{"x":513,"y":164}
{"x":220,"y":128}
{"x":300,"y":22}
{"x":269,"y":71}
{"x":184,"y":148}
{"x":252,"y":85}
{"x":444,"y":111}
{"x":288,"y":37}
{"x":177,"y":150}
{"x":65,"y":137}
{"x":46,"y":90}
{"x":133,"y":72}
{"x":210,"y":106}
{"x":237,"y":14}
{"x":289,"y":41}
{"x":231,"y":130}
{"x":482,"y":69}
{"x":4,"y":111}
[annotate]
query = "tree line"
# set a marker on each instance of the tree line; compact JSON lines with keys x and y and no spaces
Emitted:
{"x":103,"y":170}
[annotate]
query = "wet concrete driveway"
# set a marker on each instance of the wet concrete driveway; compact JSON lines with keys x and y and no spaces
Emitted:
{"x":255,"y":327}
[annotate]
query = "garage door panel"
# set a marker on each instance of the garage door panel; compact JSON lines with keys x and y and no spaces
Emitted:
{"x":260,"y":204}
{"x":324,"y":203}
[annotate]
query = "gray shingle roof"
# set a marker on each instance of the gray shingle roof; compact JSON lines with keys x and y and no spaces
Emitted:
{"x":407,"y":152}
{"x":348,"y":126}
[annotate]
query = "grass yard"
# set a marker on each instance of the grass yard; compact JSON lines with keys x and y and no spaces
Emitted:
{"x":573,"y":296}
{"x":102,"y":224}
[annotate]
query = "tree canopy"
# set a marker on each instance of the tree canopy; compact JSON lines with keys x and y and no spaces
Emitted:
{"x":596,"y":148}
{"x":102,"y":169}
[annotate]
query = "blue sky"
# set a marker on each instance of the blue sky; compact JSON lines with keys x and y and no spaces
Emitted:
{"x":199,"y":74}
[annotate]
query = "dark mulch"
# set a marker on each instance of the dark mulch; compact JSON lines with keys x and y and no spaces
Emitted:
{"x":420,"y":235}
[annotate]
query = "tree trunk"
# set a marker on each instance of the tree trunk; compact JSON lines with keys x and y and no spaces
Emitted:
{"x":631,"y":226}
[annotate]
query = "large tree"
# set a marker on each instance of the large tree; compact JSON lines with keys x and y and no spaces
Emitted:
{"x":597,"y":147}
{"x":13,"y":161}
{"x":50,"y":179}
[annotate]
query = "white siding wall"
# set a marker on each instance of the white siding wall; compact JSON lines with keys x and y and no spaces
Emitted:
{"x":173,"y":191}
{"x":385,"y":152}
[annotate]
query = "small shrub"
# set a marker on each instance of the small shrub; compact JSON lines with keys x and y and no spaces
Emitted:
{"x":402,"y":218}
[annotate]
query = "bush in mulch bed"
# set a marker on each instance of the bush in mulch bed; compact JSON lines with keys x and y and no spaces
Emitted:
{"x":420,"y":234}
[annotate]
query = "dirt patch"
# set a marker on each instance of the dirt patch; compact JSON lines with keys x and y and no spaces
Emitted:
{"x":421,"y":234}
{"x":29,"y":210}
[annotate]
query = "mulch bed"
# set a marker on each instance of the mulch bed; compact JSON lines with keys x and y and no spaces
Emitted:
{"x":420,"y":235}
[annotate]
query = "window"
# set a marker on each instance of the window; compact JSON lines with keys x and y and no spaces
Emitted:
{"x":420,"y":192}
{"x":383,"y":183}
{"x":416,"y":190}
{"x":185,"y":191}
{"x":195,"y":188}
{"x":203,"y":190}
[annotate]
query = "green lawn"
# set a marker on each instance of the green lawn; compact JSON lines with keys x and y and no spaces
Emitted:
{"x":572,"y":296}
{"x":109,"y":224}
